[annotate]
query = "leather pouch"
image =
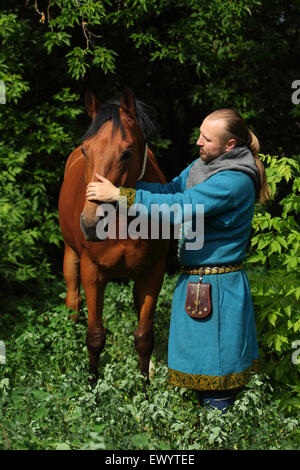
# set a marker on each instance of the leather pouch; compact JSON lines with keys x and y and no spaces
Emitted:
{"x":198,"y":299}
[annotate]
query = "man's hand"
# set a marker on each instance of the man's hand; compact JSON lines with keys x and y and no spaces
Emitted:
{"x":103,"y":191}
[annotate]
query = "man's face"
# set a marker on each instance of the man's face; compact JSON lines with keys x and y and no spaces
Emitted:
{"x":211,"y":139}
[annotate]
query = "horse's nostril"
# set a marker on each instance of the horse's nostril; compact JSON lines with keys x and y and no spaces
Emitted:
{"x":88,"y":221}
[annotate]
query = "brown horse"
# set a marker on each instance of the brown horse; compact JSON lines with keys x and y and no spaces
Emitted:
{"x":114,"y":146}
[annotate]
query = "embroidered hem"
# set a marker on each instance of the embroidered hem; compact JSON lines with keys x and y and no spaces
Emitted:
{"x":128,"y":194}
{"x":212,"y":382}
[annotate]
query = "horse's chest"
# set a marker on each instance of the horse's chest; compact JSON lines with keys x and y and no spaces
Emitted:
{"x":121,"y":255}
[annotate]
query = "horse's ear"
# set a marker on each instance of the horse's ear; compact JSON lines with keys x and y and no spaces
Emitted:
{"x":92,"y":105}
{"x":127,"y":101}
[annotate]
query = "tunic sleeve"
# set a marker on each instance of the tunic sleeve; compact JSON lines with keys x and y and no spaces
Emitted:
{"x":220,"y":193}
{"x":177,"y":185}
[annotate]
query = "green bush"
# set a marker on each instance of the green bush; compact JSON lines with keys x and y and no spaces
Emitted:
{"x":191,"y":63}
{"x":29,"y":185}
{"x":273,"y":269}
{"x":46,"y":403}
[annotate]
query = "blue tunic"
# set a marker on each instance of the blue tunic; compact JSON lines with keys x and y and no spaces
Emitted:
{"x":220,"y":351}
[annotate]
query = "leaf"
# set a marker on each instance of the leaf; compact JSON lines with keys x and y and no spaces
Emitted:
{"x":272,"y":319}
{"x":279,"y":340}
{"x":63,"y":446}
{"x":275,"y":247}
{"x":257,"y":258}
{"x":214,"y":434}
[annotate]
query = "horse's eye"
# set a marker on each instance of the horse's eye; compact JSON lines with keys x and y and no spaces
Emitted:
{"x":126,"y":155}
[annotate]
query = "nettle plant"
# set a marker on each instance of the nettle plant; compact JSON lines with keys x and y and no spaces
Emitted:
{"x":275,"y":250}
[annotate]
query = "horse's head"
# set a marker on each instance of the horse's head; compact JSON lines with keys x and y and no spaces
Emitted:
{"x":114,"y":146}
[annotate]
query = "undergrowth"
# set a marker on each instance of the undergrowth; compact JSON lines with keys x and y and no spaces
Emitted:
{"x":46,"y":403}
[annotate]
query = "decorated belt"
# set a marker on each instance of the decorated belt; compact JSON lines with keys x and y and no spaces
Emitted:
{"x":210,"y":270}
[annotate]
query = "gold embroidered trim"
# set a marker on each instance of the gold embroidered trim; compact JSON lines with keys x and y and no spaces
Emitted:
{"x":212,"y":382}
{"x":129,"y":194}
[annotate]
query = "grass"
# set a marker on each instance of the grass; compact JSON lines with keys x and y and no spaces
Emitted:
{"x":46,"y":403}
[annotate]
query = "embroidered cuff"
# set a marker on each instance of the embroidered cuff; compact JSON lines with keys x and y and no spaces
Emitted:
{"x":129,"y":194}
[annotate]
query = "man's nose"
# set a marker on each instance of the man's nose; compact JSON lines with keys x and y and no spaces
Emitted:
{"x":200,"y":140}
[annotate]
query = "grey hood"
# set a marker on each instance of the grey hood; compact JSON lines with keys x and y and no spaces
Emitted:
{"x":237,"y":159}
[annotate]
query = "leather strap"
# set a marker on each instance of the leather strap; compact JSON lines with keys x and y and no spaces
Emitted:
{"x":210,"y":270}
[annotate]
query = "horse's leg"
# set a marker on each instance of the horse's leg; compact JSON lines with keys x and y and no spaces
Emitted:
{"x":145,"y":293}
{"x":94,"y":286}
{"x":71,"y":269}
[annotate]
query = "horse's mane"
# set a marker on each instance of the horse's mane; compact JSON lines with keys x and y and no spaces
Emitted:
{"x":109,"y":111}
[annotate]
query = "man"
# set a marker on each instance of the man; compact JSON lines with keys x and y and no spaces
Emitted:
{"x":213,"y":353}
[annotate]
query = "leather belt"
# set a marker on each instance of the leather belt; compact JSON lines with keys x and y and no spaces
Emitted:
{"x":210,"y":270}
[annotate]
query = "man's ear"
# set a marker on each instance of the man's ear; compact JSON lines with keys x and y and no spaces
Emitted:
{"x":92,"y":105}
{"x":127,"y":102}
{"x":230,"y":145}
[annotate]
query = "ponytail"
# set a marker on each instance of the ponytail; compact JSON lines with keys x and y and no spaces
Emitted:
{"x":237,"y":128}
{"x":254,"y":147}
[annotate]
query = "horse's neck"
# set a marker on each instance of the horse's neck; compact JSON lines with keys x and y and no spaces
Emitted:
{"x":153,"y":173}
{"x":75,"y":157}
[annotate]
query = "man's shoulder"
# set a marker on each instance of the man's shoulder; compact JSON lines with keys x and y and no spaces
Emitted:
{"x":236,"y":183}
{"x":231,"y":176}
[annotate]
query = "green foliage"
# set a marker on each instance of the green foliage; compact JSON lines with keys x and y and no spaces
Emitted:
{"x":274,"y":277}
{"x":67,"y":19}
{"x":28,"y":193}
{"x":185,"y":58}
{"x":45,"y":402}
{"x":34,"y":143}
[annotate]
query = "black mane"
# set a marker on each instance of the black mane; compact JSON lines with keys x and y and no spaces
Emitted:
{"x":109,"y":111}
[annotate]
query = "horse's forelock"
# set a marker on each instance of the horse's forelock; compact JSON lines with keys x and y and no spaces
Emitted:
{"x":109,"y":111}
